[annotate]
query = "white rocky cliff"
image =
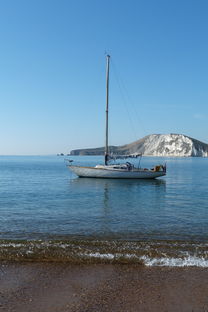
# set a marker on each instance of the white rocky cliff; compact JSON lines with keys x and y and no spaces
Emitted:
{"x":173,"y":145}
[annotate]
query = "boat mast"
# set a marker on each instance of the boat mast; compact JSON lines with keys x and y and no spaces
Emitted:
{"x":107,"y":96}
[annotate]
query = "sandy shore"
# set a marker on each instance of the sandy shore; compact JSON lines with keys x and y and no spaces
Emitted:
{"x":54,"y":287}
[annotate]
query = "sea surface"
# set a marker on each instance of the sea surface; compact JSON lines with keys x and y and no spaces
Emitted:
{"x":48,"y":214}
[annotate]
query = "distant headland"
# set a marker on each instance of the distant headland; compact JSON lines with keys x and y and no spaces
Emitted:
{"x":175,"y":145}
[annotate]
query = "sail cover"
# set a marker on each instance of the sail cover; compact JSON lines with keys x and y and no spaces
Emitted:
{"x":114,"y":157}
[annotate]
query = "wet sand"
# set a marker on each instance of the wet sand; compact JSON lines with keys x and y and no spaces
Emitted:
{"x":61,"y":287}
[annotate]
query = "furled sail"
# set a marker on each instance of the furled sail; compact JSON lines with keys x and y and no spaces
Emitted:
{"x":114,"y":157}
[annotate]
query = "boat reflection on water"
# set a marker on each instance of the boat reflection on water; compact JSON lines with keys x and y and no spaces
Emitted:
{"x":119,"y":207}
{"x":117,"y":185}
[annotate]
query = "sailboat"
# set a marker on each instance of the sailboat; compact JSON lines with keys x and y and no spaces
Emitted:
{"x":116,"y":171}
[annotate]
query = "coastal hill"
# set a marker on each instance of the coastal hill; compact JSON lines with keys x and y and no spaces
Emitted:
{"x":155,"y":145}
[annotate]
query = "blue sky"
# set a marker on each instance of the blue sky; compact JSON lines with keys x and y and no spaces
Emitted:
{"x":52,"y":72}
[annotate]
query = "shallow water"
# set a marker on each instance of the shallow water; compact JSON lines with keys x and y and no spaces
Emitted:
{"x":48,"y":213}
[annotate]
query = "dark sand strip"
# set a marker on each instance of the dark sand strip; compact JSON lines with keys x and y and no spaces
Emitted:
{"x":59,"y":287}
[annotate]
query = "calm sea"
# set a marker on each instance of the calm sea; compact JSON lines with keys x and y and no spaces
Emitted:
{"x":47,"y":213}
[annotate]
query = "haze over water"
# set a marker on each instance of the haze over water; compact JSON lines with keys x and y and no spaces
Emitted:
{"x":47,"y":212}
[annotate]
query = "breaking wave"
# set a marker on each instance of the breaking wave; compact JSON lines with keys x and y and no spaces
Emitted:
{"x":154,"y":253}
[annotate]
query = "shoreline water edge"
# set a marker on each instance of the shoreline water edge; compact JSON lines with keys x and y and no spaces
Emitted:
{"x":82,"y":251}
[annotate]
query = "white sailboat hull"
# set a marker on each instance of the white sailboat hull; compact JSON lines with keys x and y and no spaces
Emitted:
{"x":92,"y":172}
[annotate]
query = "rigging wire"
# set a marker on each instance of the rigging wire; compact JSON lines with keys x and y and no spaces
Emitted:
{"x":126,"y":99}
